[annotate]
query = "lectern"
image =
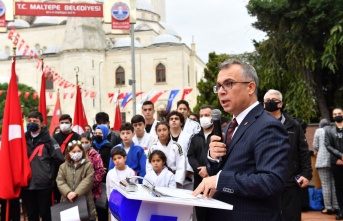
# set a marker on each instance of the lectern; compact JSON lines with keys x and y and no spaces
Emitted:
{"x":144,"y":205}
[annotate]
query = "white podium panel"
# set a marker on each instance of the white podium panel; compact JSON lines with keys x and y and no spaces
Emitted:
{"x":141,"y":205}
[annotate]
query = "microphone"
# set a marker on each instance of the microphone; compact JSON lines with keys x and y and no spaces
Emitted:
{"x":142,"y":178}
{"x":150,"y":189}
{"x":217,"y":127}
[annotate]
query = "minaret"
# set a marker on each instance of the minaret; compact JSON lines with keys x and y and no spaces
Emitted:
{"x":160,"y":8}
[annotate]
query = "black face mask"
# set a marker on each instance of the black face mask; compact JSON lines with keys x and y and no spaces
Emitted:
{"x":98,"y":138}
{"x":338,"y":119}
{"x":33,"y":127}
{"x":271,"y":106}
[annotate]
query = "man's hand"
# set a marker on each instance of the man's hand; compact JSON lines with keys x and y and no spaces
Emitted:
{"x":207,"y":184}
{"x":202,"y":172}
{"x":217,"y":149}
{"x":71,"y":196}
{"x":303,"y":182}
{"x":339,"y":162}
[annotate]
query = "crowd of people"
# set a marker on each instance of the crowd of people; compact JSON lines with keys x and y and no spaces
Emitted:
{"x":259,"y":164}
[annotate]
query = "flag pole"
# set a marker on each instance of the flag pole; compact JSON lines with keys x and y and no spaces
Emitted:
{"x":8,"y":201}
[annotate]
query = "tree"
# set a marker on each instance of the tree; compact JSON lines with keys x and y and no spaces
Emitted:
{"x":205,"y":86}
{"x":28,"y":104}
{"x":291,"y":58}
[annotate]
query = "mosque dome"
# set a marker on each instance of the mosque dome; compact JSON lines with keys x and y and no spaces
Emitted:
{"x":126,"y":42}
{"x":165,"y":38}
{"x":45,"y":21}
{"x":3,"y":55}
{"x":168,"y":29}
{"x":144,"y":5}
{"x":18,"y":23}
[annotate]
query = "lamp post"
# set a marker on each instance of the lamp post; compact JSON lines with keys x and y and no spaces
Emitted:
{"x":99,"y":86}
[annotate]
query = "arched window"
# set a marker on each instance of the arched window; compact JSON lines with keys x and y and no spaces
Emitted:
{"x":160,"y":73}
{"x":49,"y":84}
{"x":120,"y":76}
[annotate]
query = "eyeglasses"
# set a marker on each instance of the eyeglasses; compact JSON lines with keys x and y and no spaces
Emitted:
{"x":227,"y":85}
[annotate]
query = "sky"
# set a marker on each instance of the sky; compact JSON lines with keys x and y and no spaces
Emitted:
{"x":222,"y":26}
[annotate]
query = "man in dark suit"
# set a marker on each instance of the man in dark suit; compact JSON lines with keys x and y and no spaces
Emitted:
{"x":249,"y":168}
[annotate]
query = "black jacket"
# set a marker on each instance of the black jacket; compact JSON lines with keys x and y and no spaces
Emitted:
{"x":299,"y":160}
{"x":114,"y":138}
{"x":60,"y":137}
{"x":197,"y":153}
{"x":43,"y":165}
{"x":105,"y":154}
{"x":333,"y":143}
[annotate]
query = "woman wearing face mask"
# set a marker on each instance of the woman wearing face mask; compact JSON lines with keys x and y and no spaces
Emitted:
{"x":103,"y":146}
{"x":75,"y":176}
{"x":95,"y":158}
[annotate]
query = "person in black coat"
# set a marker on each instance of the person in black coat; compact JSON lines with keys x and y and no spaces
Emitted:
{"x":197,"y":153}
{"x":299,"y":160}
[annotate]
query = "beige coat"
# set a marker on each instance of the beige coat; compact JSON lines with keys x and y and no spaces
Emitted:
{"x":78,"y":179}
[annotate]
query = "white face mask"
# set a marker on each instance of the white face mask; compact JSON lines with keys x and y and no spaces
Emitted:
{"x":86,"y":146}
{"x":76,"y":156}
{"x":206,"y":122}
{"x":65,"y":127}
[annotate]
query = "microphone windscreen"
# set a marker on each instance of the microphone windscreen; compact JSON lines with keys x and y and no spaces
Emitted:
{"x":216,"y":114}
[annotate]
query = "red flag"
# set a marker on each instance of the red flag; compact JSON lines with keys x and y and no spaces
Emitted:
{"x":80,"y":119}
{"x":117,"y":119}
{"x":42,"y":99}
{"x":185,"y":92}
{"x":55,"y":121}
{"x":154,"y":98}
{"x":26,"y":94}
{"x":35,"y":95}
{"x":15,"y":168}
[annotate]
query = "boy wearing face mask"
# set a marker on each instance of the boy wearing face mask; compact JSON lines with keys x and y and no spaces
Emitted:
{"x":299,"y":161}
{"x":197,"y":153}
{"x":45,"y":156}
{"x":66,"y":133}
{"x":65,"y":136}
{"x":334,"y":144}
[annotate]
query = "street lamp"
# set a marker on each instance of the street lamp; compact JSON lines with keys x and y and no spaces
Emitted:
{"x":100,"y":85}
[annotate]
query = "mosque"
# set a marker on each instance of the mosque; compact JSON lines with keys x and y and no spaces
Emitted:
{"x":102,"y":60}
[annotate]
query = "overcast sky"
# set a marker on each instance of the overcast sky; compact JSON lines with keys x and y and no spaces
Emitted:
{"x":223,"y":26}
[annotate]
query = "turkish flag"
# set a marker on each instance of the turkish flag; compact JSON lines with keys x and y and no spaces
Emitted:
{"x":154,"y":98}
{"x":42,"y":99}
{"x":185,"y":92}
{"x":15,"y":168}
{"x":117,"y":119}
{"x":55,"y":121}
{"x":80,"y":119}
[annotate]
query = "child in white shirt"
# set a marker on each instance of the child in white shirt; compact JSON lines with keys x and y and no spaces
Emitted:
{"x":120,"y":172}
{"x":160,"y":175}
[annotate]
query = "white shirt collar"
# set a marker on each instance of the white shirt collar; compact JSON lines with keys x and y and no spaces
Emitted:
{"x":244,"y":113}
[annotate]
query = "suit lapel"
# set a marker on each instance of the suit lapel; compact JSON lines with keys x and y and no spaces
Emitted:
{"x":245,"y":124}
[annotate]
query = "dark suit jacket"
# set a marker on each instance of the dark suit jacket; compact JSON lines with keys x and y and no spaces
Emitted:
{"x":253,"y":171}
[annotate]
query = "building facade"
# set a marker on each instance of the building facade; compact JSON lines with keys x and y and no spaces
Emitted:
{"x":102,"y":60}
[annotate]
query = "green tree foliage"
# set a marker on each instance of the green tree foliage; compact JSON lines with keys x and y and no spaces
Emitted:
{"x":28,"y":104}
{"x":291,"y":59}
